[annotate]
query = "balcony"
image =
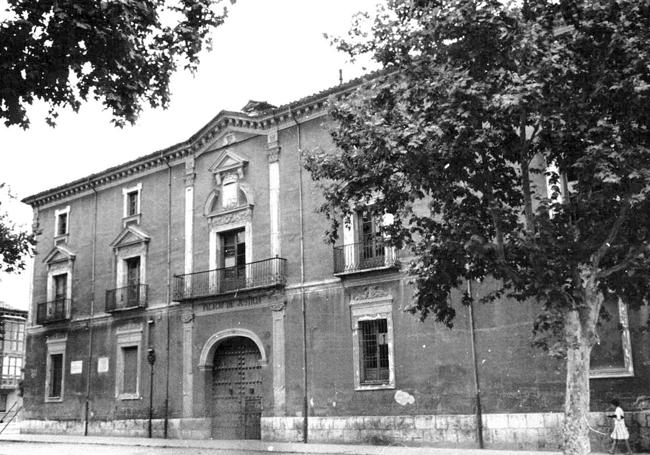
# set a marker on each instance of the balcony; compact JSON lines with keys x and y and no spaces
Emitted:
{"x":260,"y":274}
{"x":372,"y":254}
{"x":9,"y":381}
{"x":54,"y":311}
{"x":126,"y":298}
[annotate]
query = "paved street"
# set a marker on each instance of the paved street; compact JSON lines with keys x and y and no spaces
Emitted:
{"x":23,"y":444}
{"x":28,"y":448}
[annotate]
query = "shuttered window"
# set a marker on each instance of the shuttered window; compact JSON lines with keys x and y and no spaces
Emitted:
{"x":130,"y":372}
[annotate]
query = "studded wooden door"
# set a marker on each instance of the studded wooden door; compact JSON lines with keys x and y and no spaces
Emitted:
{"x":236,"y":390}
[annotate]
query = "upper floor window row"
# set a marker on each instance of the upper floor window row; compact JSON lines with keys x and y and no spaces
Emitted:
{"x":130,"y":211}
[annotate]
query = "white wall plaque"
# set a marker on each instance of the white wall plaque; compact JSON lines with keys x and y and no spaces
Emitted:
{"x":76,"y":367}
{"x":102,"y":365}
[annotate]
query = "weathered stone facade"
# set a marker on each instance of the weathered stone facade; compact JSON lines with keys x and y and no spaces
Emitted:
{"x":211,"y":254}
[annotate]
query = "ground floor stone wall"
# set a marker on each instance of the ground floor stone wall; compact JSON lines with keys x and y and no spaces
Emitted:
{"x":533,"y":431}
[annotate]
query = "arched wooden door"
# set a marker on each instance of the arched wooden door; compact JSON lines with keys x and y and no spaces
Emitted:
{"x":236,"y":390}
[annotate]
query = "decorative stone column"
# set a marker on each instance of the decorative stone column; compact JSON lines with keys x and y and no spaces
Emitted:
{"x":278,"y":311}
{"x":189,"y":220}
{"x":273,"y":154}
{"x":188,"y":373}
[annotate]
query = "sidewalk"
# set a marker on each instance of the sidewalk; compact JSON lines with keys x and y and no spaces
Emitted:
{"x":257,"y":446}
{"x":260,"y":446}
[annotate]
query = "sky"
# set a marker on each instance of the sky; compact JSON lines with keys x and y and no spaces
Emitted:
{"x":267,"y":50}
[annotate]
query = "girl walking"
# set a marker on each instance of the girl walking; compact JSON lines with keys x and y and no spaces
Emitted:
{"x":620,"y":432}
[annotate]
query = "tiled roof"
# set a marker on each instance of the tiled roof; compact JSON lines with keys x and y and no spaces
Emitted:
{"x":6,"y":308}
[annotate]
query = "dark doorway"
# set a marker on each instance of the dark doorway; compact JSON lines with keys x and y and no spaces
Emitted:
{"x":236,"y":390}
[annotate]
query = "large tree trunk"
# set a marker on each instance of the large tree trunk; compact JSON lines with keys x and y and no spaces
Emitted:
{"x":576,"y":405}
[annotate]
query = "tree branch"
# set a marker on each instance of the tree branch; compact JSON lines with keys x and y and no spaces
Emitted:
{"x":629,"y":258}
{"x":598,"y":255}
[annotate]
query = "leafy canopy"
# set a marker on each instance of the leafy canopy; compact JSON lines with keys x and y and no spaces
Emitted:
{"x":480,"y":108}
{"x":122,"y":52}
{"x":15,"y":243}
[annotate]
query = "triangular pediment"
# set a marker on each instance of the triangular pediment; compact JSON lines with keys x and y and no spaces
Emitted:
{"x":228,"y":160}
{"x":130,"y":234}
{"x":59,"y":253}
{"x":226,"y":136}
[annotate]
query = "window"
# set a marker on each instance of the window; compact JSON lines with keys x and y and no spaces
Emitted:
{"x":132,"y":203}
{"x":374,"y":351}
{"x":612,"y":356}
{"x":132,"y":208}
{"x":229,"y":197}
{"x":14,"y":335}
{"x":11,"y":370}
{"x":61,"y":221}
{"x":127,"y":383}
{"x":372,"y":334}
{"x":60,"y":287}
{"x":371,"y":243}
{"x":232,"y":261}
{"x":364,"y":247}
{"x":130,"y":377}
{"x":54,"y":376}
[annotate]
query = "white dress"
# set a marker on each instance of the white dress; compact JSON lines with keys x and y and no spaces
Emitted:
{"x":620,"y":430}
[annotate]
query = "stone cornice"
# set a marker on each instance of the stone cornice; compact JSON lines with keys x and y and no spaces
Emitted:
{"x":277,"y":117}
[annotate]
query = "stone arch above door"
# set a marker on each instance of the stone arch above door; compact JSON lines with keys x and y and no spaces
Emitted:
{"x":207,"y":353}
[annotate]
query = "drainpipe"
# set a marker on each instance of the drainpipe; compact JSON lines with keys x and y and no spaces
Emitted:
{"x":305,"y":404}
{"x":169,"y":294}
{"x":477,"y":387}
{"x":92,"y":313}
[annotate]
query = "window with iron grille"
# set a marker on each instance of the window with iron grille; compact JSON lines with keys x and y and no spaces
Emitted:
{"x":373,"y":336}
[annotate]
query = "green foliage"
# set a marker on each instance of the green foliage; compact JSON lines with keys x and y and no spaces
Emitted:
{"x":456,"y":138}
{"x":120,"y":52}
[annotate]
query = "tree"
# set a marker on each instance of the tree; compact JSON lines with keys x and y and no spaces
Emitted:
{"x":15,"y":243}
{"x":478,"y":104}
{"x":122,"y":53}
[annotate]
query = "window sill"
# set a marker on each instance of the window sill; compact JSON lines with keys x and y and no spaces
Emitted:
{"x":364,"y":387}
{"x":54,"y":400}
{"x":61,"y":238}
{"x":132,"y":219}
{"x":129,"y":396}
{"x":605,"y":373}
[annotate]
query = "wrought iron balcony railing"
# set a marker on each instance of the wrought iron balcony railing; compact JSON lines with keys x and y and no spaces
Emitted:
{"x":126,"y":298}
{"x":53,"y":311}
{"x":374,"y":253}
{"x":264,"y":273}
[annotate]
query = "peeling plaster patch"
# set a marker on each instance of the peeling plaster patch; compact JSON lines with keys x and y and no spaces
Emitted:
{"x":333,"y":404}
{"x":404,"y":398}
{"x":311,"y":402}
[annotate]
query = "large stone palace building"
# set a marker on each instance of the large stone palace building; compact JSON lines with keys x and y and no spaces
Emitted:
{"x":190,"y":293}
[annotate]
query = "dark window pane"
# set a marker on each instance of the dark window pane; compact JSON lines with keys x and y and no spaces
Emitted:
{"x":60,"y":286}
{"x":63,"y":224}
{"x":130,"y":357}
{"x":56,"y":375}
{"x":132,"y":203}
